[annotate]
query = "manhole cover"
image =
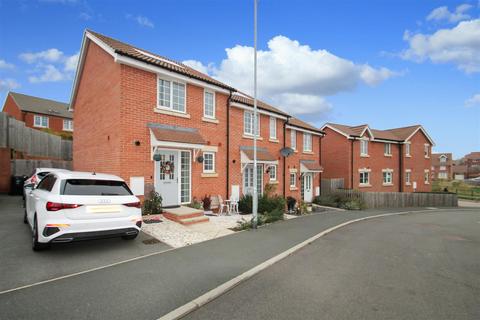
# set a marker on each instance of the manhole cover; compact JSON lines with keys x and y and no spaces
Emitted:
{"x":151,"y":241}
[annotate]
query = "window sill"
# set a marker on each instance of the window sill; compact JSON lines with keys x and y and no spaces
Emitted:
{"x":171,"y":113}
{"x":293,"y":170}
{"x":293,"y":188}
{"x":274,"y":140}
{"x":387,"y":184}
{"x":387,"y":155}
{"x":209,"y":175}
{"x":364,"y":156}
{"x":408,"y":155}
{"x":408,"y":184}
{"x":211,"y":120}
{"x":427,"y":157}
{"x":41,"y":127}
{"x":251,"y":137}
{"x":307,"y":152}
{"x":273,"y":182}
{"x":426,"y":182}
{"x":364,"y":185}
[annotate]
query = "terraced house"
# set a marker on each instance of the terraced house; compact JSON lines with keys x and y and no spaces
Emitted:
{"x":162,"y":125}
{"x":394,"y":160}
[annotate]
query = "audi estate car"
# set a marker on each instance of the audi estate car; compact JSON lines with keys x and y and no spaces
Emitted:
{"x":70,"y":206}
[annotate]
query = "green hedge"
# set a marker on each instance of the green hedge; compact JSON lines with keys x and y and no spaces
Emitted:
{"x":265,"y":204}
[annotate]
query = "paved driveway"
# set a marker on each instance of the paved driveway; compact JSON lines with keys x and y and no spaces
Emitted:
{"x":420,"y":266}
{"x":21,"y":266}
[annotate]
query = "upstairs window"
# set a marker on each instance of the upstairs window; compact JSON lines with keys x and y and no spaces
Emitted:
{"x":209,"y":105}
{"x":67,"y":125}
{"x":273,"y":128}
{"x":426,"y":150}
{"x":171,"y":95}
{"x":293,"y":179}
{"x":307,"y":142}
{"x":443,"y":159}
{"x":388,"y":149}
{"x":407,"y":149}
{"x":293,"y":139}
{"x":248,"y":124}
{"x":426,"y":176}
{"x":364,"y":147}
{"x":40,"y":121}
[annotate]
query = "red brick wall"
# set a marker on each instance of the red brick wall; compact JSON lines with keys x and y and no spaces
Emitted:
{"x":5,"y":173}
{"x":96,"y":143}
{"x":11,"y":108}
{"x":336,"y":157}
{"x":418,"y":163}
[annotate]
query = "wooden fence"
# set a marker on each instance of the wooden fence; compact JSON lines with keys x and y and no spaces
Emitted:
{"x":15,"y":135}
{"x":402,"y":199}
{"x":21,"y":167}
{"x":330,"y":185}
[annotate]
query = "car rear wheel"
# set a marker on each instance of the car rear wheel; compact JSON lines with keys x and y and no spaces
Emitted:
{"x":37,"y":246}
{"x":130,"y":237}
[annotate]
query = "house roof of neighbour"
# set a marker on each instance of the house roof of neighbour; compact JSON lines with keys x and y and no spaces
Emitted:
{"x":436,"y":159}
{"x":262,"y":153}
{"x":176,"y":134}
{"x":248,"y":100}
{"x":473,"y":155}
{"x":312,"y":165}
{"x":40,"y":105}
{"x":459,"y":169}
{"x":154,"y":59}
{"x":302,"y":124}
{"x":402,"y":134}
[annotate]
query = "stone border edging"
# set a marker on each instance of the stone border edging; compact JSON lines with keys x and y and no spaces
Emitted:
{"x":227,"y":286}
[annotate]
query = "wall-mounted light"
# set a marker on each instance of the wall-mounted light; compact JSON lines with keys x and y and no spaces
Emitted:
{"x":136,"y":143}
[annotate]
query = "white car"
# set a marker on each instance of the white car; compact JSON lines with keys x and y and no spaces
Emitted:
{"x":71,"y":206}
{"x":37,"y":175}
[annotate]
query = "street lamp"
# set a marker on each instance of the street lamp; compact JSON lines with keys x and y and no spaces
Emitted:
{"x":255,"y":124}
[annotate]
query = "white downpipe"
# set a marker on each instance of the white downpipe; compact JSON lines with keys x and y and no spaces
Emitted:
{"x":255,"y":178}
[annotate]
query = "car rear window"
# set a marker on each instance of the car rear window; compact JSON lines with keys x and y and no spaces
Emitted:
{"x":42,"y":174}
{"x":87,"y":187}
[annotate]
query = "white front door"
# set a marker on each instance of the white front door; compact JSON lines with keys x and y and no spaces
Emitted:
{"x":307,"y":187}
{"x":248,"y":179}
{"x":166,"y":177}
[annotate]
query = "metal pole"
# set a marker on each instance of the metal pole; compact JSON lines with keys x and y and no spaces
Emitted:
{"x":255,"y":125}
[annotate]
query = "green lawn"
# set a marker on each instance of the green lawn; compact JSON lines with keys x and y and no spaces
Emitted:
{"x":464,"y":191}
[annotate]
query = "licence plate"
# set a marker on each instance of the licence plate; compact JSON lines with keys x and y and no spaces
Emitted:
{"x":103,"y":209}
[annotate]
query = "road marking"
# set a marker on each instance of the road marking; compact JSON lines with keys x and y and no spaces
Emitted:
{"x":85,"y":271}
{"x":205,"y":298}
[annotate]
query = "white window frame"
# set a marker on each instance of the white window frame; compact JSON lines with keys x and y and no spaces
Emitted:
{"x":249,"y":130}
{"x":40,"y":117}
{"x":170,"y":107}
{"x":443,"y":158}
{"x":442,"y":175}
{"x":408,"y":177}
{"x":387,"y":149}
{"x":205,"y":92}
{"x":273,"y":128}
{"x":272,"y":169}
{"x":364,"y":147}
{"x":426,"y":150}
{"x":426,"y":177}
{"x":307,"y":142}
{"x":212,"y":170}
{"x":70,"y":125}
{"x":387,"y":173}
{"x":294,"y":180}
{"x":293,"y":139}
{"x":407,"y":149}
{"x":364,"y":171}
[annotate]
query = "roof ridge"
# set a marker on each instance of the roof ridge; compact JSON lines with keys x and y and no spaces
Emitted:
{"x":35,"y":97}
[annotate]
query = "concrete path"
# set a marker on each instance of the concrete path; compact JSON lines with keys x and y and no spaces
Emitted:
{"x":422,"y":266}
{"x":153,"y":286}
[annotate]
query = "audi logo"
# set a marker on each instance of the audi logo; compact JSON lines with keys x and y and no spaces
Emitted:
{"x":104,"y":201}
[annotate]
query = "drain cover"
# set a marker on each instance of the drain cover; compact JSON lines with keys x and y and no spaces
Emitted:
{"x":151,"y":241}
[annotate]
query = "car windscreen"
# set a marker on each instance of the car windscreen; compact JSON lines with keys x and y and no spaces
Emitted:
{"x":89,"y":187}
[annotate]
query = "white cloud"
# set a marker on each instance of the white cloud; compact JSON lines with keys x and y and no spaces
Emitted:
{"x":293,"y":76}
{"x":442,"y":13}
{"x":8,"y":84}
{"x":459,"y":45}
{"x":5,"y":65}
{"x":51,"y":65}
{"x":141,"y":20}
{"x":473,"y":101}
{"x":85,"y":16}
{"x":197,"y":65}
{"x":50,"y":55}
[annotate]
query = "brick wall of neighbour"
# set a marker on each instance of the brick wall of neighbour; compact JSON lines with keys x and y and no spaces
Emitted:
{"x":418,"y":163}
{"x":96,"y":143}
{"x":54,"y":123}
{"x":5,"y":173}
{"x":11,"y":108}
{"x":138,"y":102}
{"x":336,"y":157}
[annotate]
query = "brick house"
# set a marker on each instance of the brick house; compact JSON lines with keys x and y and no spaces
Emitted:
{"x":441,"y":166}
{"x":472,"y":162}
{"x":377,"y":160}
{"x":39,"y":113}
{"x":162,"y":125}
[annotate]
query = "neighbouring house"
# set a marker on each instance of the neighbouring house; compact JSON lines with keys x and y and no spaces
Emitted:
{"x":39,"y":113}
{"x":377,"y":160}
{"x":162,"y":125}
{"x":472,"y":162}
{"x":459,"y":171}
{"x":441,"y":166}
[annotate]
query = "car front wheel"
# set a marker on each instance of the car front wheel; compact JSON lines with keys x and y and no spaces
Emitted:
{"x":37,"y":246}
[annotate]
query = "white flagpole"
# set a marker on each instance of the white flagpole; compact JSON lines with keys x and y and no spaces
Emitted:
{"x":255,"y":125}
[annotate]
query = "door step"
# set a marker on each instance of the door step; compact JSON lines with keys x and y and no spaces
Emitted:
{"x":185,"y":215}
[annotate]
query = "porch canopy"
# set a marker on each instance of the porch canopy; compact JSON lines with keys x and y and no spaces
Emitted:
{"x":162,"y":135}
{"x":310,"y":166}
{"x":263,"y":156}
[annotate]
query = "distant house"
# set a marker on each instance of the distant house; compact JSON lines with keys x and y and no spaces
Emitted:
{"x":472,"y":162}
{"x":459,"y":171}
{"x":377,"y":160}
{"x":39,"y":113}
{"x":442,"y":166}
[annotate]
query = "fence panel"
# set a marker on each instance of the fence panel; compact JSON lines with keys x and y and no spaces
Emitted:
{"x":330,"y":185}
{"x":22,"y":167}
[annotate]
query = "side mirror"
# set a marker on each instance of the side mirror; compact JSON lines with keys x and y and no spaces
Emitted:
{"x":30,"y":186}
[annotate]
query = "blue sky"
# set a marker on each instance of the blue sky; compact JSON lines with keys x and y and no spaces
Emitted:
{"x":385,"y":63}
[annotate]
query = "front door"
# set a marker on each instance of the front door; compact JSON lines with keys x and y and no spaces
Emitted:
{"x":166,"y":177}
{"x":307,"y":187}
{"x":248,"y":179}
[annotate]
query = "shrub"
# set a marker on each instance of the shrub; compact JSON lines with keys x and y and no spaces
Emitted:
{"x":206,"y":202}
{"x":340,"y":200}
{"x":265,"y":203}
{"x":195,"y":204}
{"x":245,"y":204}
{"x":153,"y":203}
{"x":302,"y":208}
{"x":262,"y":219}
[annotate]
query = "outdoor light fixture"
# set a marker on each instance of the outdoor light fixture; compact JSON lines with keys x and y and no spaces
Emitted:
{"x":200,"y":159}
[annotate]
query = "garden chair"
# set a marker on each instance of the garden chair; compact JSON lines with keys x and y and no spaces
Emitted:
{"x":234,"y":198}
{"x":222,"y":205}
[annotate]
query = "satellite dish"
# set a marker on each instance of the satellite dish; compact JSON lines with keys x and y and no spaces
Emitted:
{"x":156,"y":157}
{"x":285,"y":152}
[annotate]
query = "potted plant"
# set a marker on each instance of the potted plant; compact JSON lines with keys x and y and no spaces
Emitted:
{"x":207,"y":201}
